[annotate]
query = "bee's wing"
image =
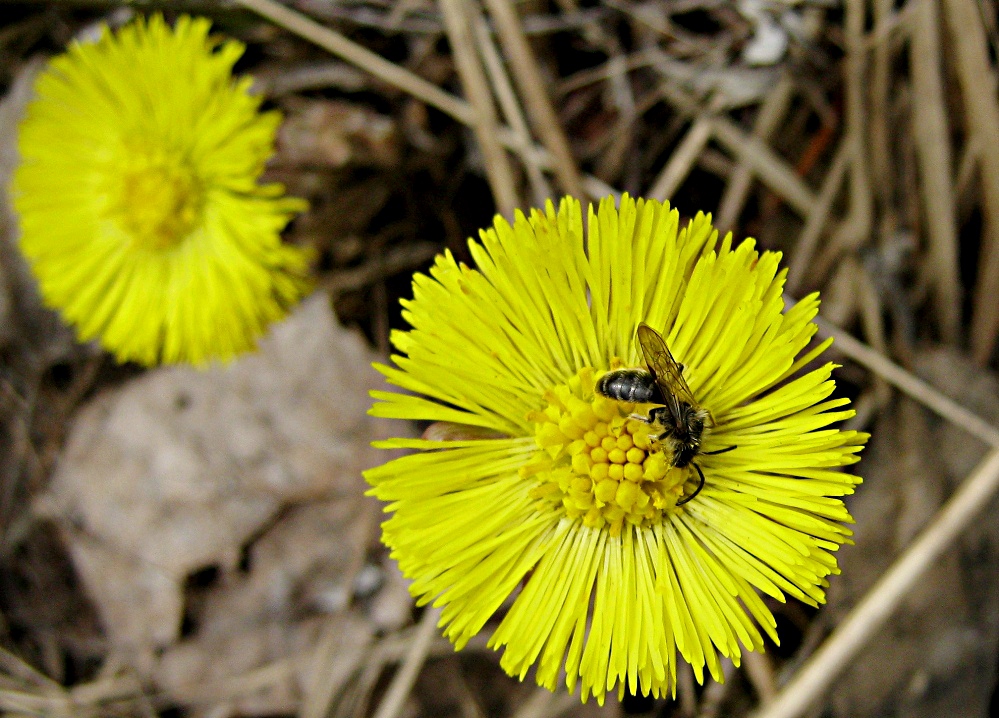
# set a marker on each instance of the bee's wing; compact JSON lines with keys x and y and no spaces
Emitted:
{"x":665,"y":369}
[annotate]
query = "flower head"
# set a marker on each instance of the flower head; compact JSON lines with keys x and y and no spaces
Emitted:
{"x":140,"y":210}
{"x":569,"y":516}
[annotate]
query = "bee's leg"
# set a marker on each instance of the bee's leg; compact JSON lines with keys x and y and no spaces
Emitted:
{"x":700,"y":486}
{"x":718,"y":451}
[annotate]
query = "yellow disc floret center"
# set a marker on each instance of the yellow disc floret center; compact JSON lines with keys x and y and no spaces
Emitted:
{"x":596,"y":463}
{"x":159,"y":199}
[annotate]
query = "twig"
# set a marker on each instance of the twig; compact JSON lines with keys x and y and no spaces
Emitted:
{"x":981,"y":109}
{"x":468,"y":705}
{"x":545,"y":704}
{"x":771,"y":112}
{"x":866,"y":406}
{"x":872,"y":321}
{"x":622,"y":134}
{"x":400,"y":77}
{"x":211,"y":692}
{"x":912,"y":385}
{"x":932,"y":135}
{"x":404,"y":258}
{"x":877,"y":606}
{"x":966,"y":176}
{"x":596,"y":187}
{"x":882,"y":70}
{"x":511,"y":108}
{"x":716,"y":691}
{"x":761,"y":674}
{"x":377,"y":65}
{"x":17,"y":667}
{"x":682,"y":160}
{"x":532,"y":87}
{"x":686,"y":689}
{"x":772,"y":170}
{"x":402,"y":682}
{"x":857,"y":228}
{"x":330,"y":666}
{"x":593,"y":75}
{"x":804,"y":248}
{"x":888,"y":22}
{"x":473,"y":79}
{"x":311,"y":77}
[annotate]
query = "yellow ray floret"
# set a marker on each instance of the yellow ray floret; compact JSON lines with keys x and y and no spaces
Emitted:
{"x":139,"y":205}
{"x":571,"y":520}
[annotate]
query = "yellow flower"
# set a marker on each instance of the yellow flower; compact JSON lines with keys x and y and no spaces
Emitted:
{"x":569,"y":520}
{"x":140,"y":210}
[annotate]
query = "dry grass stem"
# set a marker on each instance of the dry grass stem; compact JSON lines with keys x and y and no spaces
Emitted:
{"x":600,"y":73}
{"x":771,"y":112}
{"x":808,"y":240}
{"x":889,"y":23}
{"x":932,"y":136}
{"x":512,"y":111}
{"x":334,"y":74}
{"x":817,"y":675}
{"x":966,"y":177}
{"x":761,"y":674}
{"x":596,"y":187}
{"x":882,"y":167}
{"x":873,"y":323}
{"x":545,"y":704}
{"x":532,"y":84}
{"x":468,"y":705}
{"x":403,"y":258}
{"x":856,"y":230}
{"x":682,"y":160}
{"x":498,"y":170}
{"x":27,"y":692}
{"x":208,"y":693}
{"x":686,"y":690}
{"x":332,"y":663}
{"x":27,"y":673}
{"x":770,"y":167}
{"x":906,"y":382}
{"x":377,"y":65}
{"x":622,"y":100}
{"x":969,"y":41}
{"x":402,"y":683}
{"x":715,"y":692}
{"x":405,"y":80}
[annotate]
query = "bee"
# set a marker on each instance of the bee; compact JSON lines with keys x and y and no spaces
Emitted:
{"x":679,"y":419}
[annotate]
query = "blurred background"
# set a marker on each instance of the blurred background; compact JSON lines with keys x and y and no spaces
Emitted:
{"x":181,"y":542}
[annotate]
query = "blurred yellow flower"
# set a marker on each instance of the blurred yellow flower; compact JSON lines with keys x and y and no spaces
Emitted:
{"x":137,"y":192}
{"x":568,"y":522}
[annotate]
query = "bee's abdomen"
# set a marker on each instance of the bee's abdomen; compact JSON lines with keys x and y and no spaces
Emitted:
{"x":634,"y":385}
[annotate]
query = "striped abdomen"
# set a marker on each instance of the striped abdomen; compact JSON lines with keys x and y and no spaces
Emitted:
{"x":634,"y":385}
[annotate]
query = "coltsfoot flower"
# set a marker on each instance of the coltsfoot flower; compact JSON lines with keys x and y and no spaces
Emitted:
{"x":567,"y":520}
{"x":137,"y":192}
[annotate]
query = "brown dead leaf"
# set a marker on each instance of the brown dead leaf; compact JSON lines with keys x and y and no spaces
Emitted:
{"x":335,"y":133}
{"x":178,"y":470}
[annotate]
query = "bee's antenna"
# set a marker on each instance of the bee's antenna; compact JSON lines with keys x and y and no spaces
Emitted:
{"x":700,"y":486}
